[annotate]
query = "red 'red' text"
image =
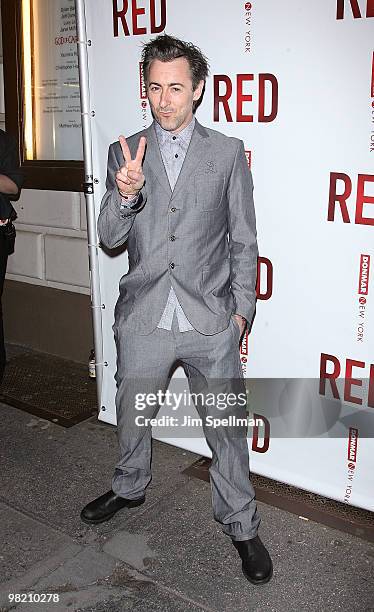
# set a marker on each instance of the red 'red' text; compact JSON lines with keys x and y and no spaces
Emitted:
{"x":264,"y":266}
{"x":329,"y":362}
{"x":355,"y":8}
{"x":134,"y":19}
{"x":258,"y":447}
{"x":338,"y":198}
{"x":266,"y":86}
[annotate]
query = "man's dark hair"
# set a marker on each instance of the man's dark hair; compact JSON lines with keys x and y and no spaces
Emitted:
{"x":167,"y":48}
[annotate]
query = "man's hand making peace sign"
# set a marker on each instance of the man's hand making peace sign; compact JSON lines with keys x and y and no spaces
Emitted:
{"x":130,"y":177}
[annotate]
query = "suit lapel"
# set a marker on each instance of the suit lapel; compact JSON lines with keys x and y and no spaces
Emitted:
{"x":198,"y":147}
{"x":154,"y":159}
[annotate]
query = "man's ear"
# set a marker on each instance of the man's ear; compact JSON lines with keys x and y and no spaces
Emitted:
{"x":198,"y":91}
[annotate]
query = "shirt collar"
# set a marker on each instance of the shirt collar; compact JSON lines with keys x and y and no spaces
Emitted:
{"x":164,"y":136}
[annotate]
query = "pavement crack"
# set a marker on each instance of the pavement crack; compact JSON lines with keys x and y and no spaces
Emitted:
{"x":50,"y":571}
{"x":170,"y":591}
{"x":35,"y":517}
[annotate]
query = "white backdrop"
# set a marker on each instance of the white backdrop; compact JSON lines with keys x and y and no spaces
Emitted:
{"x":323,"y":69}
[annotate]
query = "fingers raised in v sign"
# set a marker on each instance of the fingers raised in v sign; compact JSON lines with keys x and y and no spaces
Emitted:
{"x":137,"y":162}
{"x":130,"y":178}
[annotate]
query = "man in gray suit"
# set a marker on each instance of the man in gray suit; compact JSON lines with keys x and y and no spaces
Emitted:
{"x":181,"y":196}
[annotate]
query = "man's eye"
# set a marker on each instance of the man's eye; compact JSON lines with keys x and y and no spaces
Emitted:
{"x":176,"y":89}
{"x":154,"y":88}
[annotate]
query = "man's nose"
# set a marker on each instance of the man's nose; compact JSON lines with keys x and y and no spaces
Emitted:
{"x":165,"y":99}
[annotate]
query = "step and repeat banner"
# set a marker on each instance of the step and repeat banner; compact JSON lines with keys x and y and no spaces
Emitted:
{"x":295,"y":81}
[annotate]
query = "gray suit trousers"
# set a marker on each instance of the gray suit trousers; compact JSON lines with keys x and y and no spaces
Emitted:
{"x":211,"y":363}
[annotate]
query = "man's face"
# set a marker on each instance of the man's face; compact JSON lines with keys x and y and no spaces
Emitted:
{"x":170,"y":93}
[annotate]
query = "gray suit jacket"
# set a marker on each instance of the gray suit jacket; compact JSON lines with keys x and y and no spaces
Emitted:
{"x":180,"y":237}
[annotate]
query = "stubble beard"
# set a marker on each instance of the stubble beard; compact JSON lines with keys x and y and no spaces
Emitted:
{"x":170,"y":124}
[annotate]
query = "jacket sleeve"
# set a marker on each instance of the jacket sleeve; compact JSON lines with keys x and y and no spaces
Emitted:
{"x":242,"y":236}
{"x":114,"y":223}
{"x":9,"y":167}
{"x":9,"y":164}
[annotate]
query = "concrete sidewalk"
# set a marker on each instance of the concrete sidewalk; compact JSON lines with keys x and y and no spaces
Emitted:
{"x":166,"y":555}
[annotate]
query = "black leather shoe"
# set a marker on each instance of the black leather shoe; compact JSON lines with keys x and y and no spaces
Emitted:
{"x":256,"y":563}
{"x":104,"y":507}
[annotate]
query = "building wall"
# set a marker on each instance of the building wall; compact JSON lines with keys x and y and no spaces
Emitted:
{"x":46,"y":299}
{"x":51,"y":241}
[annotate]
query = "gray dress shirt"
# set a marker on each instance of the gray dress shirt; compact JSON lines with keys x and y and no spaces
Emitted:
{"x":173,"y":148}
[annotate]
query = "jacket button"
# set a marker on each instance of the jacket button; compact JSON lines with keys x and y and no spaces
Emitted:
{"x":172,"y":238}
{"x":173,"y":209}
{"x":171,"y":265}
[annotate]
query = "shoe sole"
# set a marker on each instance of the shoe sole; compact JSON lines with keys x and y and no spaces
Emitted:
{"x":262,"y":581}
{"x":132,"y":504}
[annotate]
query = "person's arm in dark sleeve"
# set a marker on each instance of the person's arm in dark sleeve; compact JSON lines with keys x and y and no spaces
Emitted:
{"x":11,"y":177}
